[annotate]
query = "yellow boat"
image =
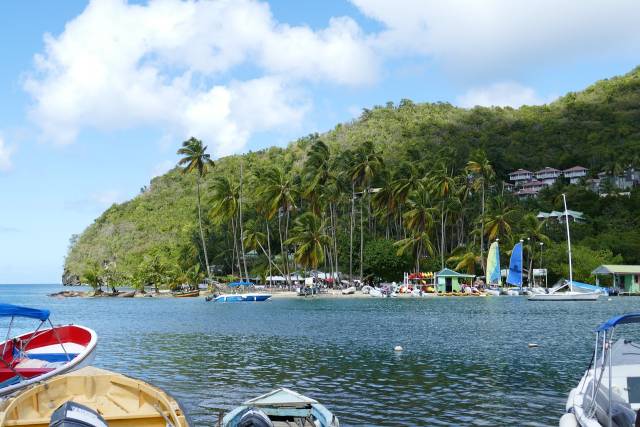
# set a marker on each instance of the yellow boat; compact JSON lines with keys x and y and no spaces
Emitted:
{"x":120,"y":400}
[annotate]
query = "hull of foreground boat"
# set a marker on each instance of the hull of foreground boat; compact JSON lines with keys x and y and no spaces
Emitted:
{"x":120,"y":400}
{"x":38,"y":356}
{"x":566,"y":296}
{"x":242,"y":298}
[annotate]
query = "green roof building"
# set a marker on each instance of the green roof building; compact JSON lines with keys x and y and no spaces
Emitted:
{"x":449,"y":280}
{"x":625,"y":277}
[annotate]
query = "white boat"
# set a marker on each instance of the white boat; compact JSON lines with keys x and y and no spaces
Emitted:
{"x":608,"y":393}
{"x":493,"y":270}
{"x":349,"y":291}
{"x":574,"y":293}
{"x":376,"y":293}
{"x":43,"y":353}
{"x":492,"y":291}
{"x":514,"y":274}
{"x":365,"y":289}
{"x":250,"y":297}
{"x":281,"y":407}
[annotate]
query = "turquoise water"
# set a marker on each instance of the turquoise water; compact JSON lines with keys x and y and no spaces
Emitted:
{"x":466,"y":360}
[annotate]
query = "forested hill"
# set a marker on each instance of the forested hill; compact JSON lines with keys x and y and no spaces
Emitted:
{"x":598,"y":128}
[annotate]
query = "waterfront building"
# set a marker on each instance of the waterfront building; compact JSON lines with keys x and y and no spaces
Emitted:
{"x":575,"y":173}
{"x":548,"y":175}
{"x":625,"y":277}
{"x":449,"y":280}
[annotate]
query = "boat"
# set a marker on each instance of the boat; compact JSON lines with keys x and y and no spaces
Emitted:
{"x":514,"y":274}
{"x":281,"y":407}
{"x":574,"y":293}
{"x":250,"y":297}
{"x":186,"y":294}
{"x":608,"y":394}
{"x":130,"y":294}
{"x":117,"y":399}
{"x":365,"y":289}
{"x":44,"y":352}
{"x":349,"y":291}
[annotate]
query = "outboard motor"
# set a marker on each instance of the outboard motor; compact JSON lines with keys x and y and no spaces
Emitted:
{"x":72,"y":414}
{"x":254,"y":417}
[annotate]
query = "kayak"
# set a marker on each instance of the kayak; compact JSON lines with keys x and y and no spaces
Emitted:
{"x":44,"y":352}
{"x":116,"y":399}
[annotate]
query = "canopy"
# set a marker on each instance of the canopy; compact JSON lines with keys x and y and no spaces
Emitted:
{"x":236,"y":284}
{"x":619,"y":320}
{"x":515,"y":266}
{"x":10,"y":310}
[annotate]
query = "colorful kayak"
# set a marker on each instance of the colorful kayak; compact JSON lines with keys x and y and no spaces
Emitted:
{"x":116,"y":399}
{"x":44,"y":352}
{"x":242,"y":297}
{"x":281,"y":407}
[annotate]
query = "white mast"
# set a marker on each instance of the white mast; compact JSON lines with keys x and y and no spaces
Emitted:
{"x":566,"y":218}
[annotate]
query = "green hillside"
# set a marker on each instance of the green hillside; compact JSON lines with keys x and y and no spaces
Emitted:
{"x":409,"y":151}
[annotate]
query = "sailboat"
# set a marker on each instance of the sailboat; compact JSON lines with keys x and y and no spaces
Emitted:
{"x":493,"y":270}
{"x":514,"y":276}
{"x":574,"y":293}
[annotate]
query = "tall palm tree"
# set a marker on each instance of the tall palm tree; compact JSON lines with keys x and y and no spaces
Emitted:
{"x":368,"y":162}
{"x":418,"y":243}
{"x":465,"y":258}
{"x":442,"y":185}
{"x":278,"y":193}
{"x":532,"y":232}
{"x":499,"y":220}
{"x":196,"y":159}
{"x":310,"y":239}
{"x":483,"y":172}
{"x":316,"y":174}
{"x":226,"y":198}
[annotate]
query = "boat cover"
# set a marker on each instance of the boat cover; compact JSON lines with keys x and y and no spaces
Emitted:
{"x":619,"y":320}
{"x":235,"y":284}
{"x":281,"y":397}
{"x":10,"y":310}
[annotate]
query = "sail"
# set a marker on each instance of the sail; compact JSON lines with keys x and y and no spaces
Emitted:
{"x":515,"y":266}
{"x":493,"y":264}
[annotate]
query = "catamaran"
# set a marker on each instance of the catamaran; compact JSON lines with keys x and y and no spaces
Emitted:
{"x":42,"y":353}
{"x":609,"y":392}
{"x":575,"y":293}
{"x":493,"y":270}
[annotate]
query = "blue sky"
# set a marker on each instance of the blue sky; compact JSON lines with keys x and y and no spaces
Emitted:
{"x":96,"y":96}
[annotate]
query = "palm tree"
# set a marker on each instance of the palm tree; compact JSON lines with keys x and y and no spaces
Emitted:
{"x":465,"y":258}
{"x":418,"y":243}
{"x":532,"y":230}
{"x":367,"y":164}
{"x":480,"y":167}
{"x":310,"y":240}
{"x":317,"y":173}
{"x":277,"y":194}
{"x":91,"y":277}
{"x":226,"y":200}
{"x":197,"y":160}
{"x":442,"y":185}
{"x":498,"y":222}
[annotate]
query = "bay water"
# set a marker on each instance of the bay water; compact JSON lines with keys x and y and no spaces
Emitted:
{"x":465,"y":360}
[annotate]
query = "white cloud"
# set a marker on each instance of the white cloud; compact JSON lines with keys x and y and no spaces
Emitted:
{"x":500,"y":94}
{"x":162,"y":168}
{"x":6,"y":151}
{"x":502,"y":36}
{"x":167,"y":63}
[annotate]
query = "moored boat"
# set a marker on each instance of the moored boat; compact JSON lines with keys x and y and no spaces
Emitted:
{"x":608,"y":393}
{"x":251,"y":297}
{"x":119,"y":400}
{"x":349,"y":291}
{"x":281,"y":407}
{"x":186,"y":294}
{"x":43,"y":353}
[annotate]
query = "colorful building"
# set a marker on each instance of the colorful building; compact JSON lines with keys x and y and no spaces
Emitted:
{"x":625,"y":277}
{"x":450,"y":281}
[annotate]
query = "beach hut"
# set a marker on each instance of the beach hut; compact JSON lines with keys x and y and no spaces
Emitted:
{"x":625,"y":277}
{"x":449,"y":280}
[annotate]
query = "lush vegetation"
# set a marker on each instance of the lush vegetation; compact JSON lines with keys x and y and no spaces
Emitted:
{"x":408,"y":186}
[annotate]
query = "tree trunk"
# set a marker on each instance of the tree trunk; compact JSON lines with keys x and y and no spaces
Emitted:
{"x":361,"y":236}
{"x":442,"y":236}
{"x":204,"y":245}
{"x":269,"y":255}
{"x":482,"y":263}
{"x":353,"y":198}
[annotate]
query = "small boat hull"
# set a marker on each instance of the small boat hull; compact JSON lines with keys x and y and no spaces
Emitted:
{"x":242,"y":297}
{"x":120,"y":400}
{"x":349,"y":291}
{"x":566,"y":296}
{"x":190,"y":294}
{"x":53,"y":351}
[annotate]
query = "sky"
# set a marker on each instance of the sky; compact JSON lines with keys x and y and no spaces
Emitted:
{"x":96,"y":96}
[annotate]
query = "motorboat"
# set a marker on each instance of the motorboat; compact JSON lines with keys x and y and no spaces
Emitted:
{"x":281,"y":407}
{"x":574,"y":292}
{"x":608,"y":394}
{"x":249,"y":297}
{"x":349,"y":291}
{"x":95,"y":396}
{"x":44,"y":352}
